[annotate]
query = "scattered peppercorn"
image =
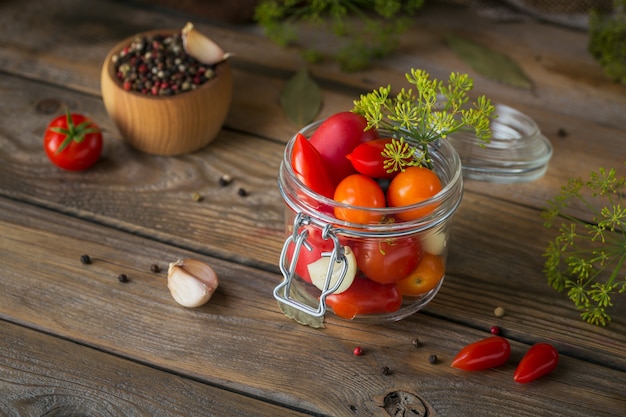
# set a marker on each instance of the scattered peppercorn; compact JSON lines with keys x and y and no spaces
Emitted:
{"x":561,"y":132}
{"x":196,"y":197}
{"x":385,"y":370}
{"x":122,"y":278}
{"x":159,"y":65}
{"x":85,"y":259}
{"x":433,"y":359}
{"x":358,"y":351}
{"x":155,"y":268}
{"x":495,"y":330}
{"x":417,"y":343}
{"x":499,"y":311}
{"x":242,"y":192}
{"x":225,"y":180}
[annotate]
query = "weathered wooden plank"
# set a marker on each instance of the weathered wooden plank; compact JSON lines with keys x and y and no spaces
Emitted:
{"x":45,"y":375}
{"x":240,"y":341}
{"x":566,"y":78}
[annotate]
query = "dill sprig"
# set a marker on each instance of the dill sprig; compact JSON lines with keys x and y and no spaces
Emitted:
{"x":381,"y":23}
{"x":429,"y":110}
{"x":588,"y":259}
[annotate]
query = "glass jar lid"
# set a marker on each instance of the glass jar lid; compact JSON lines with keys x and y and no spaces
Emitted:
{"x":517,"y":151}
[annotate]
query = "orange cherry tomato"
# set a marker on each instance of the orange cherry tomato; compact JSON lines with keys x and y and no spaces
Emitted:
{"x":414,"y":185}
{"x":425,"y":277}
{"x":362,"y":191}
{"x":387,"y":261}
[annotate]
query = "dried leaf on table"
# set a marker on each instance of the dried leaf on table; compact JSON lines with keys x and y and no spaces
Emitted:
{"x":300,"y":295}
{"x":489,"y":63}
{"x":301,"y":98}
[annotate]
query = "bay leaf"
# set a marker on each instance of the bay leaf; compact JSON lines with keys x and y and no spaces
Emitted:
{"x":301,"y":295}
{"x":301,"y":98}
{"x":489,"y":63}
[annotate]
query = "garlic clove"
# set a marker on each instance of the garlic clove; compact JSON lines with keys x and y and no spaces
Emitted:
{"x":201,"y":47}
{"x":191,"y":282}
{"x":319,"y":269}
{"x":434,"y":243}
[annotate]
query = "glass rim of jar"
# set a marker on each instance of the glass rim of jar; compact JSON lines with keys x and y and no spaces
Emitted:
{"x":444,"y":201}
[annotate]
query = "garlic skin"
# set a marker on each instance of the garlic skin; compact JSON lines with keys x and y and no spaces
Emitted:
{"x":318,"y":270}
{"x":200,"y":47}
{"x":191,"y":282}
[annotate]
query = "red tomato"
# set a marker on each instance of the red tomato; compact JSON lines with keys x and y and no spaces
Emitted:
{"x":387,"y":261}
{"x":413,"y":185}
{"x":486,"y":353}
{"x":309,"y":167}
{"x":336,"y":137}
{"x":365,"y":297}
{"x":541,"y":359}
{"x":318,"y":245}
{"x":423,"y":278}
{"x":73,"y":142}
{"x":362,"y":191}
{"x":368,"y":159}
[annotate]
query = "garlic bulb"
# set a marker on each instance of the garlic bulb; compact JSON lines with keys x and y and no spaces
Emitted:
{"x":319,"y":269}
{"x":200,"y":47}
{"x":191,"y":282}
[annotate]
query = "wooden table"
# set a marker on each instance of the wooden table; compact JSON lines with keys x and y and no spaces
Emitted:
{"x":75,"y":341}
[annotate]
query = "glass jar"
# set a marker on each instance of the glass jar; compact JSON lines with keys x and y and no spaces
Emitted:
{"x":400,"y":265}
{"x":516,"y":152}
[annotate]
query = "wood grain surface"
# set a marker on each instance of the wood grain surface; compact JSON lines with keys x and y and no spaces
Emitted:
{"x":76,"y":341}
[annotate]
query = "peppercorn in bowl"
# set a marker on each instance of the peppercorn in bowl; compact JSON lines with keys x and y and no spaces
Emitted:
{"x":168,"y":92}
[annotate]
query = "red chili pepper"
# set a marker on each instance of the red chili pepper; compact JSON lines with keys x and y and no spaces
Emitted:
{"x":483,"y":354}
{"x":541,"y":359}
{"x":365,"y":296}
{"x":310,"y":168}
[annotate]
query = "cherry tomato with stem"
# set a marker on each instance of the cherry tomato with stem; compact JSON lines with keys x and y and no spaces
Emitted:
{"x":365,"y":296}
{"x":310,"y":168}
{"x":336,"y":137}
{"x":371,"y":158}
{"x":73,"y":142}
{"x":361,"y":191}
{"x":411,"y":186}
{"x":487,"y":353}
{"x":387,"y":261}
{"x":540,"y":360}
{"x":425,"y":277}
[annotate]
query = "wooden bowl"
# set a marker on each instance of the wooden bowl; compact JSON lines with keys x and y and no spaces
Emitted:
{"x":167,"y":125}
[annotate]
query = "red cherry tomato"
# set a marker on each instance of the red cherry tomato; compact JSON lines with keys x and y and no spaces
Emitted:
{"x":540,"y":360}
{"x":362,"y":191}
{"x":318,"y":245}
{"x":310,"y":168}
{"x":73,"y":142}
{"x":368,"y":159}
{"x":425,"y":277}
{"x":413,"y":185}
{"x":365,"y":297}
{"x":387,"y":261}
{"x":336,"y":137}
{"x":483,"y":354}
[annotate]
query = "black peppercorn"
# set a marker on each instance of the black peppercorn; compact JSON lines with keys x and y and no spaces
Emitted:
{"x":385,"y":370}
{"x":242,"y":192}
{"x":122,"y":278}
{"x":225,"y":180}
{"x":159,"y":66}
{"x":85,"y":260}
{"x":433,"y":359}
{"x":416,"y":343}
{"x":155,"y":268}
